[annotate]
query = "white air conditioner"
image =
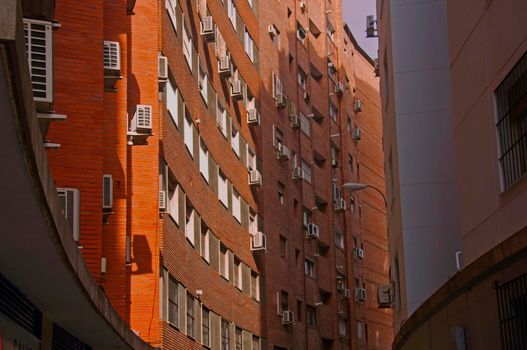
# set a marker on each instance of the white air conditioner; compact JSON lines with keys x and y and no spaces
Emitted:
{"x":358,"y":253}
{"x":357,"y":105}
{"x":360,"y":294}
{"x":255,"y":178}
{"x":312,"y":231}
{"x":271,"y":29}
{"x":282,"y":152}
{"x":107,"y":191}
{"x":258,"y":241}
{"x":346,"y":292}
{"x":224,"y":67}
{"x":385,"y":296}
{"x":356,"y":134}
{"x":297,"y":173}
{"x":253,"y":117}
{"x":339,"y":88}
{"x":112,"y":56}
{"x":207,"y":28}
{"x":162,"y":68}
{"x":162,"y":201}
{"x":280,"y":100}
{"x":142,"y":119}
{"x":70,"y":198}
{"x":39,"y":53}
{"x":236,"y":89}
{"x":295,"y":121}
{"x":340,"y":205}
{"x":287,"y":317}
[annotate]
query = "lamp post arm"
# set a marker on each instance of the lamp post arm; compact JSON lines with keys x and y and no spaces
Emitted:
{"x":382,"y":195}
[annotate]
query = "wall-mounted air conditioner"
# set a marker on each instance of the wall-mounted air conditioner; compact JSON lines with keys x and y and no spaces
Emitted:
{"x":207,"y":28}
{"x":282,"y":152}
{"x":162,"y":68}
{"x":340,"y":205}
{"x":258,"y":241}
{"x":297,"y":173}
{"x":295,"y":121}
{"x":255,"y":178}
{"x":162,"y":201}
{"x":236,"y":89}
{"x":253,"y":117}
{"x":312,"y":231}
{"x":224,"y":67}
{"x":287,"y":317}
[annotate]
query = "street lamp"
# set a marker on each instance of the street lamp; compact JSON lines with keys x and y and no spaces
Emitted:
{"x":353,"y":187}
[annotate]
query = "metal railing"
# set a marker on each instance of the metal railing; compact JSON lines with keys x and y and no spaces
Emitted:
{"x":512,"y":309}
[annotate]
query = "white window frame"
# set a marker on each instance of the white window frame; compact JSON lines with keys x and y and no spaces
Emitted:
{"x":248,"y":44}
{"x":173,"y":200}
{"x":172,"y":102}
{"x":235,"y":140}
{"x":231,"y":12}
{"x":204,"y":160}
{"x":221,"y":118}
{"x":188,"y":134}
{"x":190,"y":223}
{"x":187,"y":46}
{"x":306,"y":171}
{"x":223,"y":189}
{"x":304,"y":124}
{"x":236,"y":205}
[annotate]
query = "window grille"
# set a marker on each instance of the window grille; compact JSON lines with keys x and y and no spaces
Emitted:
{"x":512,"y":309}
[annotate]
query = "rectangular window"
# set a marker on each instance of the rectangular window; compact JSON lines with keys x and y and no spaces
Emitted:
{"x":223,"y":189}
{"x":256,"y":343}
{"x":248,"y":44}
{"x":238,"y":339}
{"x":173,"y":200}
{"x":171,"y":6}
{"x":205,"y":326}
{"x":511,"y":111}
{"x":253,"y":222}
{"x":309,"y":267}
{"x":359,"y":329}
{"x":187,"y":46}
{"x":251,"y":159}
{"x":238,"y":275}
{"x":224,"y":262}
{"x":306,"y":171}
{"x":189,"y":222}
{"x":281,"y":192}
{"x":304,"y":124}
{"x":225,"y":336}
{"x":333,"y":111}
{"x":172,"y":102}
{"x":231,"y":12}
{"x":343,"y":327}
{"x":255,"y":287}
{"x":283,"y":303}
{"x":301,"y":33}
{"x":301,"y":77}
{"x":203,"y":84}
{"x":236,"y":205}
{"x":311,"y":316}
{"x":339,"y":238}
{"x":221,"y":119}
{"x":173,"y":302}
{"x":190,"y":315}
{"x":283,"y":246}
{"x":204,"y":160}
{"x":235,"y":141}
{"x":204,"y":243}
{"x":188,"y":134}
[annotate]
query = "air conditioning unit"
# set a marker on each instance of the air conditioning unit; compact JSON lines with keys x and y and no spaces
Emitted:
{"x":162,"y":201}
{"x":39,"y":53}
{"x":258,"y":241}
{"x":370,"y":27}
{"x":339,"y":88}
{"x":297,"y":173}
{"x":376,"y":67}
{"x":70,"y":198}
{"x":224,"y":67}
{"x":236,"y":89}
{"x":295,"y":121}
{"x":358,"y":253}
{"x":253,"y":117}
{"x":385,"y":296}
{"x":356,"y":134}
{"x":271,"y":29}
{"x":360,"y":294}
{"x":287,"y":317}
{"x":207,"y":28}
{"x":280,"y":100}
{"x":162,"y":68}
{"x":340,"y":205}
{"x":282,"y":152}
{"x":255,"y":178}
{"x":357,"y":105}
{"x":347,"y":293}
{"x":142,"y":119}
{"x":312,"y":231}
{"x":112,"y":57}
{"x":340,"y":283}
{"x":107,"y":192}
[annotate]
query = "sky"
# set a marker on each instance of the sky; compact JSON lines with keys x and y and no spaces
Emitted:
{"x":355,"y":12}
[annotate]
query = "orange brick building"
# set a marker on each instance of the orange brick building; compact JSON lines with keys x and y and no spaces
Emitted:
{"x":202,"y":161}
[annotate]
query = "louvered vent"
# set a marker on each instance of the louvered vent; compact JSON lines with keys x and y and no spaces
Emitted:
{"x":107,"y":192}
{"x":71,"y":205}
{"x":143,"y":117}
{"x":112,"y":56}
{"x":39,"y":57}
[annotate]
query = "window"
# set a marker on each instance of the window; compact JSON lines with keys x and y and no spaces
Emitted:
{"x":253,"y":222}
{"x":256,"y":343}
{"x":223,"y":189}
{"x":225,"y":337}
{"x":188,"y":134}
{"x":339,"y":238}
{"x":238,"y":339}
{"x":309,"y":267}
{"x":300,"y":33}
{"x":304,"y":124}
{"x":190,"y":315}
{"x":348,"y":124}
{"x":281,"y":192}
{"x":235,"y":141}
{"x":301,"y":77}
{"x":343,"y":327}
{"x":251,"y":159}
{"x":221,"y":119}
{"x":173,"y":302}
{"x":187,"y":46}
{"x":224,"y":262}
{"x":237,"y":273}
{"x":38,"y":35}
{"x":275,"y":37}
{"x":204,"y":160}
{"x":236,"y":205}
{"x":189,"y":222}
{"x":205,"y":242}
{"x":255,"y":287}
{"x":307,"y":217}
{"x":278,"y":137}
{"x":283,"y":246}
{"x":172,"y":102}
{"x":330,"y":30}
{"x":299,"y":310}
{"x":352,"y":203}
{"x":311,"y":314}
{"x":171,"y":6}
{"x":350,"y":162}
{"x":283,"y":303}
{"x":231,"y":12}
{"x":205,"y":326}
{"x":333,"y":111}
{"x":248,"y":44}
{"x":203,"y":84}
{"x":306,"y":171}
{"x":359,"y":329}
{"x":511,"y":110}
{"x":512,"y":310}
{"x":173,"y":200}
